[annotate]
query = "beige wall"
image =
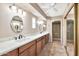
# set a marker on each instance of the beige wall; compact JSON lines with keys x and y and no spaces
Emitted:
{"x":6,"y":15}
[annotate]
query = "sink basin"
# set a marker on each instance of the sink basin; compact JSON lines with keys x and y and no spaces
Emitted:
{"x":21,"y":40}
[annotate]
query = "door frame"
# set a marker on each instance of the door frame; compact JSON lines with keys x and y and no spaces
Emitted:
{"x":60,"y":29}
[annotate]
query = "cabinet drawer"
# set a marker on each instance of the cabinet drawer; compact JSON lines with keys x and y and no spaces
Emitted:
{"x":22,"y":48}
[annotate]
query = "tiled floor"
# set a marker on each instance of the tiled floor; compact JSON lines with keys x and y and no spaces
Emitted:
{"x":70,"y":49}
{"x":56,"y":49}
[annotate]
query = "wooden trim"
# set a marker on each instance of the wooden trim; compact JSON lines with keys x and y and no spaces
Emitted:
{"x":68,"y":11}
{"x":37,"y":7}
{"x":75,"y":41}
{"x":18,"y":51}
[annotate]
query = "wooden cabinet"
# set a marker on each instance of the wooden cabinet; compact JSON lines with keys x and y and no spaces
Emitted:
{"x":47,"y":38}
{"x":43,"y":41}
{"x":12,"y":53}
{"x":39,"y":46}
{"x":28,"y":49}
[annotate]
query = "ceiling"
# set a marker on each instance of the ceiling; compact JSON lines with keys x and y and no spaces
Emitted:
{"x":53,"y":9}
{"x":45,"y":10}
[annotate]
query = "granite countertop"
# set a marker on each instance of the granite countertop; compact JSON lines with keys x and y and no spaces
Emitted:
{"x":10,"y":45}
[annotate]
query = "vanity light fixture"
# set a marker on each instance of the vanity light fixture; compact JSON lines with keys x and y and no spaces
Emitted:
{"x":44,"y":25}
{"x":13,"y":7}
{"x":24,"y":13}
{"x":20,"y":11}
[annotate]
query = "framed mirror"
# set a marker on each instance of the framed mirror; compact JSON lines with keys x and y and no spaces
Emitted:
{"x":70,"y":31}
{"x":16,"y":24}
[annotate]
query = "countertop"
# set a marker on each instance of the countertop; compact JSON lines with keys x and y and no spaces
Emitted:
{"x":10,"y":45}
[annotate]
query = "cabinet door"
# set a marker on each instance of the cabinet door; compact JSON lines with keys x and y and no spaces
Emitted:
{"x":47,"y":38}
{"x":12,"y":53}
{"x":25,"y":53}
{"x":26,"y":46}
{"x":43,"y":42}
{"x":28,"y":49}
{"x":39,"y":45}
{"x":32,"y":50}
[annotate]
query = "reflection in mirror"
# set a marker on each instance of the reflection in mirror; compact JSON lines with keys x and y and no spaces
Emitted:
{"x":70,"y":32}
{"x":17,"y":24}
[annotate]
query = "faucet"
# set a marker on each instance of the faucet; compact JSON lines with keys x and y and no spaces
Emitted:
{"x":20,"y":36}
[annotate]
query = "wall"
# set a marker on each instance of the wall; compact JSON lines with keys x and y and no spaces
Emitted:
{"x":49,"y":29}
{"x":6,"y":15}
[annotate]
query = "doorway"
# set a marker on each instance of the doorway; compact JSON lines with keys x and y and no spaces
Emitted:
{"x":56,"y":31}
{"x":70,"y":31}
{"x":70,"y":37}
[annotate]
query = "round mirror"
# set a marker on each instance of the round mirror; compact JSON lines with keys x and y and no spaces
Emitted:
{"x":17,"y":24}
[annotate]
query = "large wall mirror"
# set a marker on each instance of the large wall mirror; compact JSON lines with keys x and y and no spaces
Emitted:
{"x":16,"y":24}
{"x":70,"y":18}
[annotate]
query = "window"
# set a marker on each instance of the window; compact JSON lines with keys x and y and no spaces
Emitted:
{"x":33,"y":22}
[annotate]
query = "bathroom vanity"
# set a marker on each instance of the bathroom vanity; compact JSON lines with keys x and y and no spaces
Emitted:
{"x":29,"y":47}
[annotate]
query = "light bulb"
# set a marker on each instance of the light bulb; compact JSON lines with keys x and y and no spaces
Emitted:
{"x":44,"y":25}
{"x":14,"y":7}
{"x":24,"y":13}
{"x":20,"y":11}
